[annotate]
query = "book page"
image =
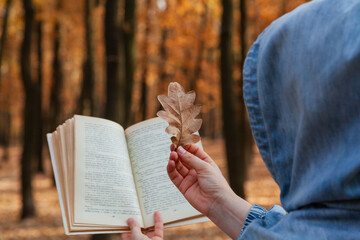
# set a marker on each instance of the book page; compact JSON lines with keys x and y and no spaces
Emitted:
{"x":149,"y":148}
{"x":58,"y":175}
{"x":64,"y":163}
{"x":104,"y":190}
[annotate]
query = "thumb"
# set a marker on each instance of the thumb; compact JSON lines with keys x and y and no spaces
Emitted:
{"x":135,"y":229}
{"x":191,"y":160}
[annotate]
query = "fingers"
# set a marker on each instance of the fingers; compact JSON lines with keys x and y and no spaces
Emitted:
{"x":159,"y":226}
{"x":191,"y":160}
{"x":135,"y":228}
{"x":174,"y":175}
{"x":197,"y":151}
{"x":126,"y":236}
{"x":174,"y":156}
{"x":190,"y":180}
{"x":136,"y":231}
{"x":180,"y":167}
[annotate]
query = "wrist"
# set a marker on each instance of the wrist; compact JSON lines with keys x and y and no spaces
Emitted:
{"x":229,"y":213}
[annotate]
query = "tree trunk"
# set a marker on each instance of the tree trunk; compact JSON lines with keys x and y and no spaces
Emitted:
{"x":243,"y":23}
{"x":86,"y":103}
{"x":115,"y":83}
{"x":5,"y":132}
{"x":54,"y":113}
{"x":163,"y":75}
{"x":144,"y":90}
{"x":129,"y":36}
{"x":4,"y":32}
{"x":40,"y":131}
{"x":201,"y":47}
{"x":235,"y":158}
{"x":54,"y":108}
{"x":246,"y":139}
{"x":30,"y":115}
{"x":112,"y":51}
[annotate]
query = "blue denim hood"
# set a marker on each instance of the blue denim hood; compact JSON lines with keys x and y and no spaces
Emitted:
{"x":302,"y":91}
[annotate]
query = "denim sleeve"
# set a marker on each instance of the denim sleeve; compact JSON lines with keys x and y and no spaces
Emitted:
{"x":259,"y":213}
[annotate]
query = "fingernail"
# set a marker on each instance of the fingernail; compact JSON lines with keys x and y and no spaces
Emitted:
{"x":181,"y":150}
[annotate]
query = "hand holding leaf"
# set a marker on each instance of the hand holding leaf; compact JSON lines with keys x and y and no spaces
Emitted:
{"x":180,"y":112}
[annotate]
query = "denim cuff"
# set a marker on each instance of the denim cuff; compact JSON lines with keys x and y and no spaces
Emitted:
{"x":256,"y":212}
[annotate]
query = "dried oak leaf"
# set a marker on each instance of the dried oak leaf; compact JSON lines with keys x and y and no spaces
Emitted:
{"x":180,"y":112}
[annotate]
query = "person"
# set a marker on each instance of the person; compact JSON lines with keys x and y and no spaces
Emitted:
{"x":302,"y":92}
{"x":200,"y":180}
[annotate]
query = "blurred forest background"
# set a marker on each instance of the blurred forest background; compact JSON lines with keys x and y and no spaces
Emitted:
{"x":111,"y":58}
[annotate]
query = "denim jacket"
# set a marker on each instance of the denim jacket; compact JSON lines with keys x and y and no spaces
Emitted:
{"x":302,"y":92}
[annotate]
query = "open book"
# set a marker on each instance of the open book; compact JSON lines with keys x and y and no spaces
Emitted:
{"x":105,"y":174}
